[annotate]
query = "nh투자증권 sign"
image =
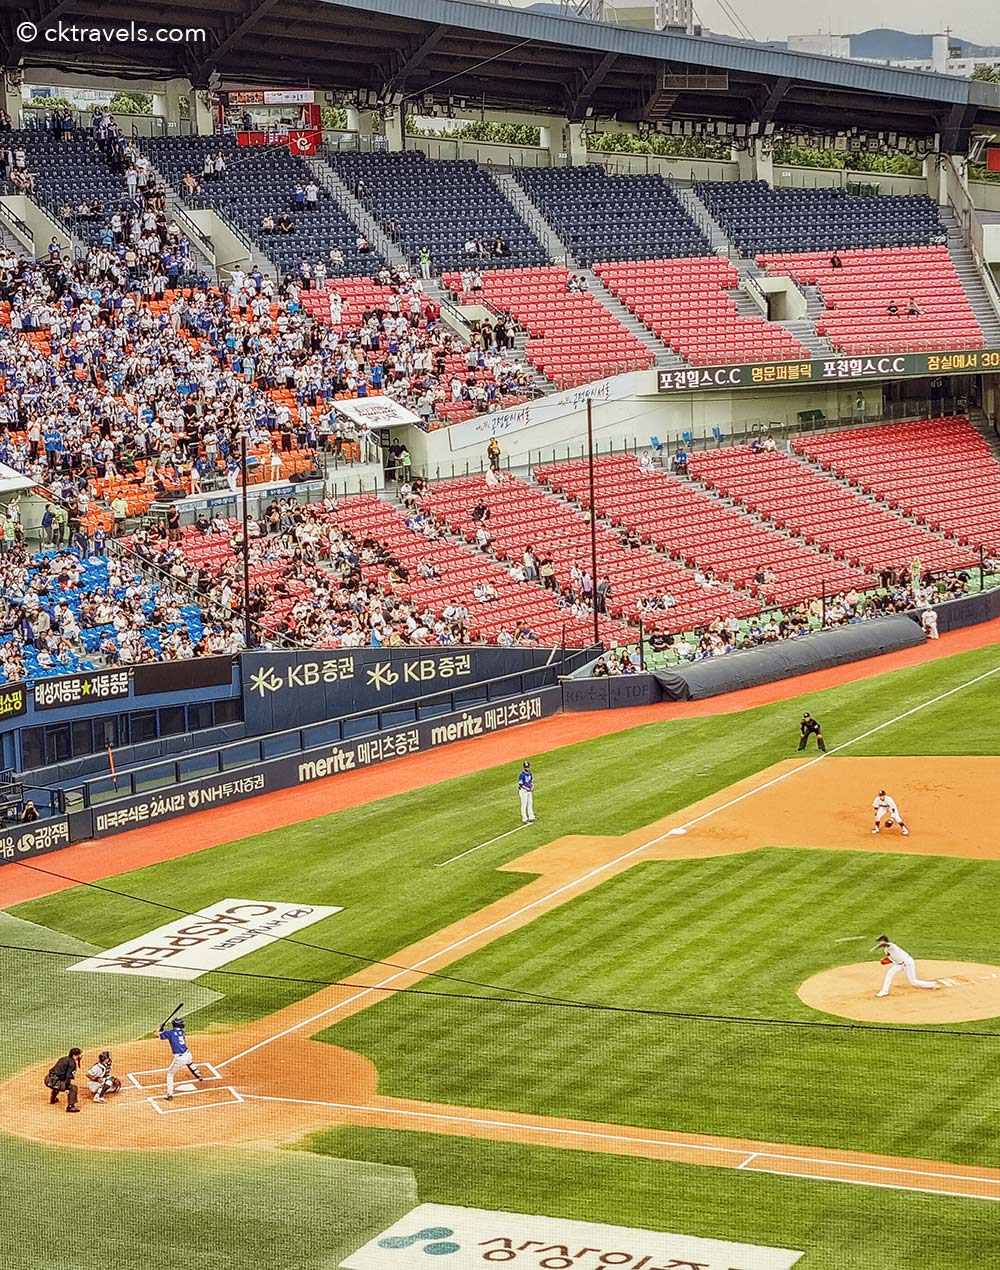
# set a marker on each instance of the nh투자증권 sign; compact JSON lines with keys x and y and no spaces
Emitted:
{"x":826,"y":370}
{"x":191,"y":946}
{"x":471,"y":1238}
{"x":76,"y":690}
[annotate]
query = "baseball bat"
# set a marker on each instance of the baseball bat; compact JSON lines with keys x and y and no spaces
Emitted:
{"x":175,"y":1011}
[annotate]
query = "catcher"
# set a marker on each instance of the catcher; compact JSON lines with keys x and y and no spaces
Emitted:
{"x":99,"y":1078}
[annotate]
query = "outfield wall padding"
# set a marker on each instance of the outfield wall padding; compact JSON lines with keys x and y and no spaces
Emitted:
{"x":792,"y":657}
{"x":970,"y":610}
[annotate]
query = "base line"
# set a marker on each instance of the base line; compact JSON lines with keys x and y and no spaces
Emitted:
{"x":489,"y":842}
{"x":559,"y":1131}
{"x":595,"y":872}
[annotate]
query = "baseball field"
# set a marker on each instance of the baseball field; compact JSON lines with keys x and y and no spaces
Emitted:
{"x":653,"y":1008}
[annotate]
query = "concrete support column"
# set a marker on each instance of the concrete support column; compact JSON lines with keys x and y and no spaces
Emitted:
{"x":167,"y":104}
{"x":566,"y":143}
{"x":201,"y":112}
{"x":11,"y":98}
{"x":394,"y":128}
{"x":754,"y":164}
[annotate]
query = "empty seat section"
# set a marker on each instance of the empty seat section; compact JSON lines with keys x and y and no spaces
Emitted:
{"x":938,"y":470}
{"x":439,"y":205}
{"x":605,"y":217}
{"x":802,"y":501}
{"x":572,"y":337}
{"x":859,"y":293}
{"x":761,"y":219}
{"x":258,"y":181}
{"x":702,"y":532}
{"x":685,"y":303}
{"x":523,"y":515}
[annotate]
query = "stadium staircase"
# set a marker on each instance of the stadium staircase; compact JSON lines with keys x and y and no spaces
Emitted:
{"x":665,"y":357}
{"x":327,"y":178}
{"x":972,"y":283}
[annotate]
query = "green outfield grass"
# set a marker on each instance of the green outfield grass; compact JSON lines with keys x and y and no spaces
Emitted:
{"x":720,"y":936}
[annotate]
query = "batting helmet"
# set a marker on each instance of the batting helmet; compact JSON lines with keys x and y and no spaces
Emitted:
{"x":178,"y":1022}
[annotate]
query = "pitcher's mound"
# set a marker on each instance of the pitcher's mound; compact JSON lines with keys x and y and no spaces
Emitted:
{"x":970,"y":991}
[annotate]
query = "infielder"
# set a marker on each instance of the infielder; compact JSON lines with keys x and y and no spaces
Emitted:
{"x":99,"y":1078}
{"x":525,"y":787}
{"x":174,"y":1036}
{"x":886,"y":809}
{"x":899,"y":960}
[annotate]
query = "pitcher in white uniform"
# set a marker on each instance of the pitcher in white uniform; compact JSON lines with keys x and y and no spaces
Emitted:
{"x":899,"y":960}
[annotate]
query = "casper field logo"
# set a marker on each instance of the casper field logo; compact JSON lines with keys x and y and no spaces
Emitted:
{"x":434,"y":1241}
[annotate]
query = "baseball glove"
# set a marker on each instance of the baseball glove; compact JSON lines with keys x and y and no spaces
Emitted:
{"x":886,"y":961}
{"x":889,"y":822}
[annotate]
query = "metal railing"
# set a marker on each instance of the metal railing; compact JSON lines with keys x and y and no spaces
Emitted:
{"x":250,"y":751}
{"x":15,"y":223}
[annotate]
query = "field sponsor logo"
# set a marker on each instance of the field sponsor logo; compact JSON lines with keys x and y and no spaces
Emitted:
{"x":37,"y":839}
{"x":471,"y":1238}
{"x":191,"y":946}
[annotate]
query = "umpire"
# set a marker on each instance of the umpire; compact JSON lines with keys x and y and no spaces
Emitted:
{"x":811,"y":727}
{"x":61,"y":1077}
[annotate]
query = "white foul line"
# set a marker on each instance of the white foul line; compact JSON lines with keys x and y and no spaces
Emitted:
{"x":597,"y":871}
{"x":561,"y":1131}
{"x":489,"y":842}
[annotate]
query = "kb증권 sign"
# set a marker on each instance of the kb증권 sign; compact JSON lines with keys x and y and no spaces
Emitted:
{"x":826,"y":370}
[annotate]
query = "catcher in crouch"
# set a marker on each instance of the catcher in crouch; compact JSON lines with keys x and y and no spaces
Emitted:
{"x":887,"y":813}
{"x":100,"y":1082}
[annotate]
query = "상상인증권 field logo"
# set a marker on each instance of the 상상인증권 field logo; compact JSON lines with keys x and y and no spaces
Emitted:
{"x":472,"y":1238}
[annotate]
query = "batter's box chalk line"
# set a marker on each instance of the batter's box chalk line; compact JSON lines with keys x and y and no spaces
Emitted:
{"x":213,"y":1074}
{"x":165,"y":1110}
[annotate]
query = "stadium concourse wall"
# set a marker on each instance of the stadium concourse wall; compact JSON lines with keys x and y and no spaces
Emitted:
{"x":628,"y":410}
{"x":305,"y":716}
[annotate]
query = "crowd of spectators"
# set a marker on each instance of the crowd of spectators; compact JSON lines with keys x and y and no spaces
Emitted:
{"x":901,"y":591}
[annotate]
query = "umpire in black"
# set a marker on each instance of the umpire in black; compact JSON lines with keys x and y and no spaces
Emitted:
{"x":61,"y":1077}
{"x":811,"y":727}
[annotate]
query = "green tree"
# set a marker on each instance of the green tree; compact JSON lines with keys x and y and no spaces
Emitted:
{"x":507,"y":134}
{"x":49,"y":103}
{"x":332,"y":119}
{"x":657,"y":143}
{"x":131,"y":104}
{"x":990,"y":73}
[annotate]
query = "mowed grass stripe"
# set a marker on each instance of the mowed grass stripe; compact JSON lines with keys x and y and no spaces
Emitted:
{"x":855,"y":1087}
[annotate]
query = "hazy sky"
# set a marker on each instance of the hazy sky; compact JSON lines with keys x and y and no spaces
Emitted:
{"x":976,"y":20}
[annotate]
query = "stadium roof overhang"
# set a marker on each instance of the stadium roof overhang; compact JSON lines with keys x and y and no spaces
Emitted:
{"x":501,"y":58}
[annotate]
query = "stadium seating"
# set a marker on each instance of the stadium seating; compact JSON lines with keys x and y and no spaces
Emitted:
{"x":364,"y":295}
{"x":572,"y":337}
{"x":604,"y":217}
{"x":837,"y":520}
{"x":259,"y":180}
{"x":460,"y":569}
{"x":859,"y":293}
{"x":680,"y":519}
{"x":760,"y":219}
{"x":439,"y":205}
{"x":940,"y":471}
{"x":522,"y":515}
{"x":67,"y":172}
{"x":684,"y":302}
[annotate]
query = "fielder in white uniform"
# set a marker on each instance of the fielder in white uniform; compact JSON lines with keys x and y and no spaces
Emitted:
{"x":900,"y":960}
{"x":525,"y":787}
{"x":886,"y":809}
